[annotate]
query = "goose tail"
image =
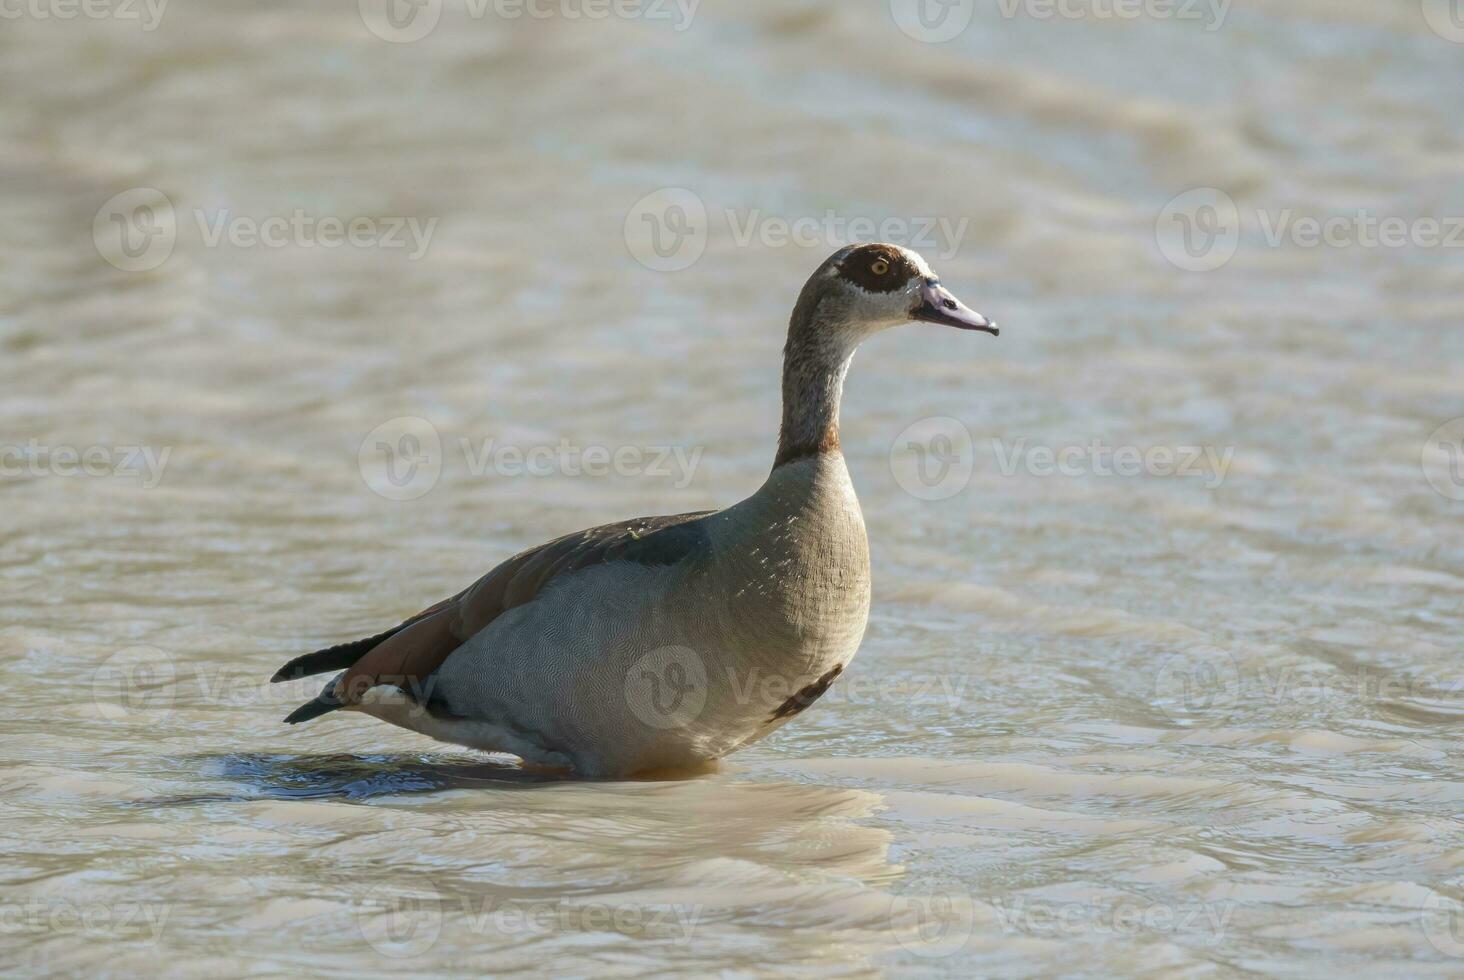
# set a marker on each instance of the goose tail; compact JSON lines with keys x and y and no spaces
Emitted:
{"x":323,"y":704}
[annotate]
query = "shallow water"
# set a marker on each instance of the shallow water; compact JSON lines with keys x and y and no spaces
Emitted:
{"x":1204,"y":719}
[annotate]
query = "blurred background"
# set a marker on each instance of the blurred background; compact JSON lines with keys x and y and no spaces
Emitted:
{"x":312,"y":313}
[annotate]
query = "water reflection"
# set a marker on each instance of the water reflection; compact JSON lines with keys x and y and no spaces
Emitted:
{"x":352,"y":777}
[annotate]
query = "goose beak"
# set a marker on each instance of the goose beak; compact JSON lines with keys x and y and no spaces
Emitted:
{"x":938,"y":305}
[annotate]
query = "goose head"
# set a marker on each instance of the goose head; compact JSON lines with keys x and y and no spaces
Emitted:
{"x":858,"y":291}
{"x":862,"y":289}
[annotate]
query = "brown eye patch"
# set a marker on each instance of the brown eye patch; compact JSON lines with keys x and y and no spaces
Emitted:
{"x":876,"y":268}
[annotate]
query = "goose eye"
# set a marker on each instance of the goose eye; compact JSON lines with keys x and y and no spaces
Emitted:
{"x":879,"y":267}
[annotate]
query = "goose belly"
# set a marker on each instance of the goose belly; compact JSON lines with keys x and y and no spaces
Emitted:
{"x":625,"y":668}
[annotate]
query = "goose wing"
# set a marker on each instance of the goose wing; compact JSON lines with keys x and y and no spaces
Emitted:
{"x":406,"y":656}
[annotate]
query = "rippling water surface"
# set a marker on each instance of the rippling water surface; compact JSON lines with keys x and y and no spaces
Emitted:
{"x":1200,"y":720}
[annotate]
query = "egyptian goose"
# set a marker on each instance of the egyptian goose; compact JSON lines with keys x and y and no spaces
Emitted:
{"x":664,"y":643}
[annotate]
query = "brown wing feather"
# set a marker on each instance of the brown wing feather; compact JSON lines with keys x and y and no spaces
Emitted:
{"x":407,"y":658}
